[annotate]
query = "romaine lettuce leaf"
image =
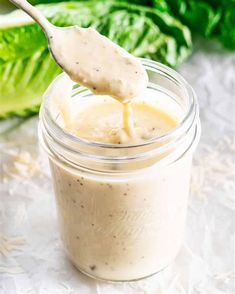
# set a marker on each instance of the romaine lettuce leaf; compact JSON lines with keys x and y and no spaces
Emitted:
{"x":141,"y":36}
{"x":226,"y":28}
{"x":198,"y":15}
{"x":26,"y":67}
{"x":23,"y":81}
{"x":209,"y":18}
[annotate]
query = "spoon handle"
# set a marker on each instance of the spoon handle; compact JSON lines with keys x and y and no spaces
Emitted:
{"x":35,"y":14}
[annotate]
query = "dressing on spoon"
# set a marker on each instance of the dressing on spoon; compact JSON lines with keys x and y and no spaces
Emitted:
{"x":94,"y":61}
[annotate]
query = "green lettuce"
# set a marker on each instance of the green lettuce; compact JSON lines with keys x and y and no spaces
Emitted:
{"x":26,"y":67}
{"x":208,"y":18}
{"x":226,"y":28}
{"x":198,"y":15}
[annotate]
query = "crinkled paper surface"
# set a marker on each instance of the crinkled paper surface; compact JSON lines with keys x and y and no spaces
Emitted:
{"x":31,"y":256}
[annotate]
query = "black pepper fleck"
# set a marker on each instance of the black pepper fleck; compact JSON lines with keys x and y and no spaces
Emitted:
{"x":92,"y":267}
{"x":82,"y":206}
{"x":114,"y":237}
{"x":77,"y":237}
{"x":69,"y":184}
{"x":106,"y":263}
{"x":124,"y":194}
{"x":94,"y":88}
{"x":92,"y":225}
{"x":77,"y":62}
{"x":110,"y":215}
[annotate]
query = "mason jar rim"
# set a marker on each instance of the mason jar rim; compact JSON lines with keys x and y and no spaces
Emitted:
{"x":190,"y":118}
{"x":183,"y":82}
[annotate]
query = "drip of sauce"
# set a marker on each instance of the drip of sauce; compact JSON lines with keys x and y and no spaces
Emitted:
{"x":128,"y":120}
{"x":111,"y":122}
{"x":97,"y":63}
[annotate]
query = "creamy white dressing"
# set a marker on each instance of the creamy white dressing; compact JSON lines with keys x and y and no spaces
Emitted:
{"x":97,"y":63}
{"x":103,"y":122}
{"x":121,"y":226}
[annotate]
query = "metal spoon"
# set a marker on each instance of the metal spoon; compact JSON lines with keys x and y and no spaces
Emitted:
{"x":48,"y":28}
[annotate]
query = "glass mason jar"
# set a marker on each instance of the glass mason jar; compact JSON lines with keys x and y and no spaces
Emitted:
{"x":122,"y":208}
